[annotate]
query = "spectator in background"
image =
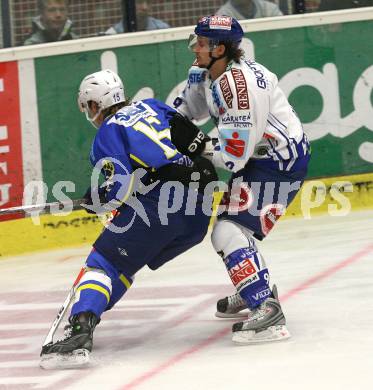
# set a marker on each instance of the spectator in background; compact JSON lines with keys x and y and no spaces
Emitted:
{"x":330,"y":5}
{"x":249,"y":9}
{"x":313,"y":5}
{"x":284,"y":6}
{"x":144,"y":21}
{"x":52,"y":24}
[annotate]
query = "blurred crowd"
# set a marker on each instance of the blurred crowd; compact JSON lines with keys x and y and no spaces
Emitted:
{"x":53,"y":23}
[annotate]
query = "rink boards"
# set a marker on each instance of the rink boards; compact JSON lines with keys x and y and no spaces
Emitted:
{"x":336,"y":196}
{"x":323,"y":65}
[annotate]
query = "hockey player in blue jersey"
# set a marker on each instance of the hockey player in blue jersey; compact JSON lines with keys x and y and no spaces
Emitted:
{"x":131,"y":137}
{"x":262,"y":143}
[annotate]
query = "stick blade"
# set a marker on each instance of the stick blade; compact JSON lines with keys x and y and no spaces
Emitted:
{"x":62,"y":361}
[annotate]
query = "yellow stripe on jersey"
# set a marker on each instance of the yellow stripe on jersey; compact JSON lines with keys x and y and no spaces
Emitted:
{"x":139,"y":161}
{"x":96,"y":287}
{"x":125,"y":281}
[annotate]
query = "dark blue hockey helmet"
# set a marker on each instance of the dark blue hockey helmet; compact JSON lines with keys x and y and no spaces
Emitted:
{"x":220,"y":28}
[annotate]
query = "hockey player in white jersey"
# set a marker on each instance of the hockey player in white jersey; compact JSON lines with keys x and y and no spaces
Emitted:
{"x":261,"y":141}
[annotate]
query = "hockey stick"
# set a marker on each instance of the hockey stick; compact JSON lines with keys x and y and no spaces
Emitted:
{"x":61,"y":313}
{"x":46,"y":208}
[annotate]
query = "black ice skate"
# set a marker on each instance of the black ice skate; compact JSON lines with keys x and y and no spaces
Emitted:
{"x":266,"y":323}
{"x":73,"y":350}
{"x":231,"y":307}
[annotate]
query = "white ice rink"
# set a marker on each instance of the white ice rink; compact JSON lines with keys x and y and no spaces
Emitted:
{"x":163,"y":335}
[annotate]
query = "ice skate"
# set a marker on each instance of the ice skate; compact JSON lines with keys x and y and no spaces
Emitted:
{"x":266,"y":323}
{"x":73,"y":350}
{"x":231,"y":307}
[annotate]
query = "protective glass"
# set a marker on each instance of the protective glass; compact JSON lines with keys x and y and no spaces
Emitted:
{"x":202,"y":44}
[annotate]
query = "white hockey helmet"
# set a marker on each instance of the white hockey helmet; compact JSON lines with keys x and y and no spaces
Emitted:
{"x":105,"y":88}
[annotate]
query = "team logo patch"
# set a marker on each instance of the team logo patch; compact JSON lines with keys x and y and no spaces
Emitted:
{"x":226,"y":90}
{"x":269,"y":215}
{"x":233,"y":142}
{"x":241,"y":88}
{"x":243,"y":273}
{"x":220,"y":22}
{"x":129,"y":115}
{"x":108,"y":169}
{"x":235,"y":146}
{"x":238,"y":199}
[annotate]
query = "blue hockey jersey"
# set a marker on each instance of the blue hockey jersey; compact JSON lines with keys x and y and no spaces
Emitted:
{"x":136,"y":136}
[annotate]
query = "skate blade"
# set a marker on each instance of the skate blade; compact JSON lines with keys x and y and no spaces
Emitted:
{"x":239,"y":314}
{"x":271,"y":334}
{"x":54,"y":361}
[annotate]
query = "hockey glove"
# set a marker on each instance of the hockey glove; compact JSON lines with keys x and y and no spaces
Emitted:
{"x":206,"y":170}
{"x":183,"y":174}
{"x":187,"y":137}
{"x":89,"y":201}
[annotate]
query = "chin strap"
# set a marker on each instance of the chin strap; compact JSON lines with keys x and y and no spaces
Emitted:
{"x":213,"y":60}
{"x":89,"y":119}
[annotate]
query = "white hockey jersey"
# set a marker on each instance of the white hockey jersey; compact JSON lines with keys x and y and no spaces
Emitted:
{"x":252,"y":114}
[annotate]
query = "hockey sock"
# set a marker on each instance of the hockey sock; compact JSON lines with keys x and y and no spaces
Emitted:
{"x":92,"y":293}
{"x":246,"y":266}
{"x":119,"y":288}
{"x":249,"y":275}
{"x":100,"y":287}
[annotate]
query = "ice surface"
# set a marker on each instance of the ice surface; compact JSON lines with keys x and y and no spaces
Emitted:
{"x":163,"y":335}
